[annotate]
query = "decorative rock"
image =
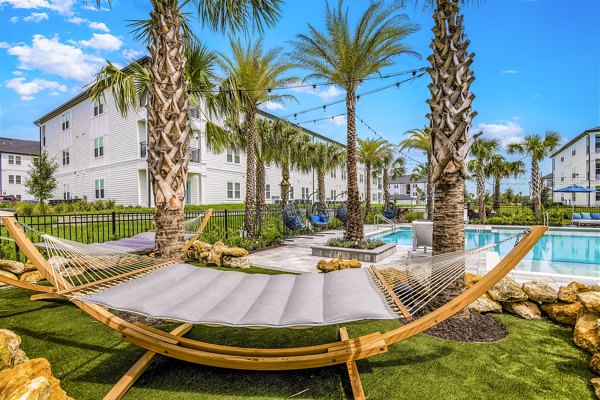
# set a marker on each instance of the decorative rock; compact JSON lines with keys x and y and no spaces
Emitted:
{"x":9,"y":349}
{"x":201,"y":246}
{"x":327,"y":266}
{"x":72,"y":271}
{"x":8,"y":275}
{"x":595,"y":363}
{"x":567,"y":294}
{"x":526,"y":309}
{"x":563,"y":313}
{"x":354,"y":263}
{"x":586,"y":333}
{"x":31,"y":277}
{"x":507,"y":290}
{"x":236,"y":262}
{"x":590,"y":300}
{"x":336,"y":264}
{"x":540,"y":291}
{"x":15,"y":267}
{"x":596,"y":386}
{"x":235,"y":252}
{"x":471,"y":279}
{"x":216,"y":254}
{"x":23,"y":382}
{"x":578,"y":287}
{"x":29,"y":266}
{"x":486,"y":304}
{"x":204,"y":256}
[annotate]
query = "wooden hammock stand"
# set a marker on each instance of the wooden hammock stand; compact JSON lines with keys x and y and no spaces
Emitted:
{"x":345,"y":351}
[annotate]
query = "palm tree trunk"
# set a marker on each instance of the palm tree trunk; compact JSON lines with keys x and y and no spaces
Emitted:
{"x":321,"y":185}
{"x":285,"y":183}
{"x":368,"y":192}
{"x":536,"y":190}
{"x":260,"y":186}
{"x":354,"y":226}
{"x":429,"y":188}
{"x":497,"y":193}
{"x":250,"y":170}
{"x":169,"y":129}
{"x":386,"y":186}
{"x":481,"y":193}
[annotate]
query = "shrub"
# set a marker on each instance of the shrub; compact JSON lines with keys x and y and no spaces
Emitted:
{"x":367,"y":244}
{"x":413,"y":216}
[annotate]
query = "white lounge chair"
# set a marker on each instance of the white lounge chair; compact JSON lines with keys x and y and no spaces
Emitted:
{"x":422,"y":234}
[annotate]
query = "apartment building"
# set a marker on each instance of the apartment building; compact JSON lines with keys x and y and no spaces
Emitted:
{"x":406,"y":191}
{"x":16,"y":157}
{"x":102,"y":155}
{"x":578,"y":163}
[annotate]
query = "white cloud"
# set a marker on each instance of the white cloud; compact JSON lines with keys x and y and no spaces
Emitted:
{"x":103,"y":41}
{"x":510,"y":72}
{"x":18,"y":73}
{"x":269,"y":105}
{"x":338,"y":120}
{"x":76,"y":20}
{"x":64,"y":7}
{"x":13,"y":20}
{"x":28,"y":89}
{"x":36,"y":17}
{"x":507,"y":132}
{"x":131,"y":54}
{"x":331,"y":91}
{"x":4,"y":45}
{"x":53,"y":57}
{"x":99,"y":26}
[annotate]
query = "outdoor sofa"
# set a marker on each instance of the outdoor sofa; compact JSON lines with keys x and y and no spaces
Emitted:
{"x":583,"y":218}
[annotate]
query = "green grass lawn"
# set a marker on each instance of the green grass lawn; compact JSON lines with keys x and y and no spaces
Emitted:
{"x":536,"y":361}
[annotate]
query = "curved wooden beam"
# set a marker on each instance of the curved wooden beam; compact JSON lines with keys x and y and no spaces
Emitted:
{"x":25,"y":285}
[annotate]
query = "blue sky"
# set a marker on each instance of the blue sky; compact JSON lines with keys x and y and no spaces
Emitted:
{"x":537,"y":65}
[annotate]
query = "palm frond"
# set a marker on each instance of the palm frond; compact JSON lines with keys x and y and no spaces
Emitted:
{"x":236,"y":15}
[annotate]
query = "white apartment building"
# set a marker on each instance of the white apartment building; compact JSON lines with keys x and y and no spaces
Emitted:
{"x":16,"y":157}
{"x":102,"y":155}
{"x":403,"y":190}
{"x":578,"y":163}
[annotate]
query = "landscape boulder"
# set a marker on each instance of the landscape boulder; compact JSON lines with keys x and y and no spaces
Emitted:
{"x":590,"y":300}
{"x":336,"y":264}
{"x":8,"y":275}
{"x":595,"y":363}
{"x":567,"y":294}
{"x":525,"y":309}
{"x":236,"y":262}
{"x":31,"y":277}
{"x":235,"y":252}
{"x":596,"y":386}
{"x":31,"y":380}
{"x":563,"y":313}
{"x":578,"y":287}
{"x":540,"y":291}
{"x":486,"y":304}
{"x":507,"y":290}
{"x":215,"y":255}
{"x":586,"y":334}
{"x":10,"y":353}
{"x":471,"y":279}
{"x":15,"y":267}
{"x":28,"y":266}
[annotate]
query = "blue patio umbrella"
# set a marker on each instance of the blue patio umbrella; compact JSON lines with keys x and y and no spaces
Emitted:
{"x":575,"y":189}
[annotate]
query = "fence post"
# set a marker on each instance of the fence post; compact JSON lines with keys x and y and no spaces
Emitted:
{"x":226,"y":226}
{"x":17,"y":252}
{"x":114,"y":223}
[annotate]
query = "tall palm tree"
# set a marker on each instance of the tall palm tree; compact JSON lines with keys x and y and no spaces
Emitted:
{"x":370,"y":152}
{"x":249,"y":73}
{"x":482,"y":151}
{"x":324,"y":157}
{"x":390,"y":165}
{"x":499,"y":168}
{"x":167,"y":34}
{"x":345,"y":56}
{"x":419,"y":139}
{"x":538,"y":148}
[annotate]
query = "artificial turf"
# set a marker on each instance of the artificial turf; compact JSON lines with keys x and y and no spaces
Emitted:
{"x":536,"y":361}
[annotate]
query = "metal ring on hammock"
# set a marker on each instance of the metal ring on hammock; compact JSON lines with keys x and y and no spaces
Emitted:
{"x":318,"y":214}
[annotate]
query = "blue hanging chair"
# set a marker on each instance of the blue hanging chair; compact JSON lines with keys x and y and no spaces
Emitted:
{"x":317,"y":214}
{"x":390,"y":211}
{"x":292,"y":217}
{"x":341,"y":214}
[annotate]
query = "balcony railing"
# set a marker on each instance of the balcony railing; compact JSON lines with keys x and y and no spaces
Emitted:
{"x":194,"y":152}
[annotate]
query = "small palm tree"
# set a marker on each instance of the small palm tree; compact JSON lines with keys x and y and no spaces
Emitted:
{"x":249,"y":73}
{"x":390,"y":165}
{"x":499,"y":168}
{"x":346,"y":56}
{"x":370,"y":152}
{"x":538,"y":148}
{"x":324,"y":157}
{"x":420,"y":140}
{"x":482,"y":151}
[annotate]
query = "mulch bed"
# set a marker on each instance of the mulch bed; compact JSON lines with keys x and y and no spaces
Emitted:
{"x":471,"y":327}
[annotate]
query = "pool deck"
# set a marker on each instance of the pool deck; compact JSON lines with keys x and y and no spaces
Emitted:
{"x":295,"y":256}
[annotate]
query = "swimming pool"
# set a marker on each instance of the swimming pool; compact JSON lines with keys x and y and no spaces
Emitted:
{"x":565,"y":252}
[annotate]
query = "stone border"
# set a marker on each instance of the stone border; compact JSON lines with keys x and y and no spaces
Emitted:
{"x":373,"y":256}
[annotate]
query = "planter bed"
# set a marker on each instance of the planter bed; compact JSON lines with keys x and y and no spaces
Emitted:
{"x":375,"y":255}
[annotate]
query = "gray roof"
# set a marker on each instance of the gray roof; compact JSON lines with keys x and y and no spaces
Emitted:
{"x":19,"y":146}
{"x":406,"y":179}
{"x":547,"y":176}
{"x":576,"y":139}
{"x":403,"y":197}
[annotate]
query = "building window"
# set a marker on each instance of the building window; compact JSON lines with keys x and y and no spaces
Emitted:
{"x":598,"y":193}
{"x":598,"y":169}
{"x":562,"y":159}
{"x":66,"y":157}
{"x":573,"y":152}
{"x":233,"y":190}
{"x":562,"y":178}
{"x":99,"y":187}
{"x":99,"y":105}
{"x":18,"y":197}
{"x":195,"y":113}
{"x":66,"y":191}
{"x":395,"y":186}
{"x":14,"y":160}
{"x":334,"y":173}
{"x":291,"y":193}
{"x":233,"y":156}
{"x":333,"y":194}
{"x":573,"y":196}
{"x":343,"y":174}
{"x":43,"y":135}
{"x":267,"y":191}
{"x":11,"y":179}
{"x":99,"y":147}
{"x":18,"y":179}
{"x":597,"y":143}
{"x":361,"y":178}
{"x":374,"y":196}
{"x":65,"y":120}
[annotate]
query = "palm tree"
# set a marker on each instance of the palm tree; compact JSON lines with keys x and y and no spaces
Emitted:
{"x":509,"y":195}
{"x":346,"y":56}
{"x":538,"y":148}
{"x":249,"y":73}
{"x":370,"y":152}
{"x":390,"y":165}
{"x":165,"y":80}
{"x":325,"y":156}
{"x":499,"y":168}
{"x":420,"y":140}
{"x":482,"y":151}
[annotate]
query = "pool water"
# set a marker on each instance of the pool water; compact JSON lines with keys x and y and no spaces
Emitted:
{"x":562,"y":252}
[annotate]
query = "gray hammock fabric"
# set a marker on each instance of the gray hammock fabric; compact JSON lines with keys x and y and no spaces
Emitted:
{"x":187,"y":293}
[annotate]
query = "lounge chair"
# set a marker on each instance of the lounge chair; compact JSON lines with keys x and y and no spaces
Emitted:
{"x":584,"y":218}
{"x":422,"y":234}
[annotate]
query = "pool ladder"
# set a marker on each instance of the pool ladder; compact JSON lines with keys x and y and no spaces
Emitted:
{"x":546,"y":218}
{"x":385,"y":220}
